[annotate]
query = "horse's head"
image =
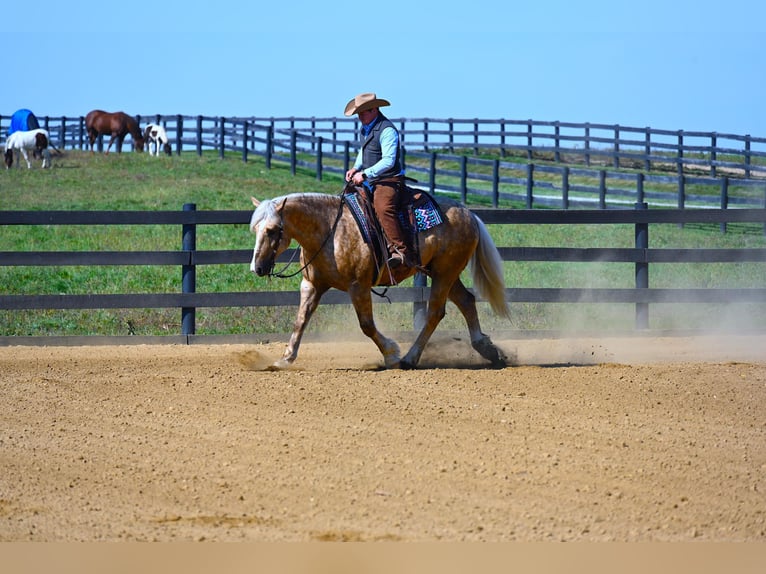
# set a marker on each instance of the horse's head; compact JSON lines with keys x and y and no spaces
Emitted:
{"x":270,"y":236}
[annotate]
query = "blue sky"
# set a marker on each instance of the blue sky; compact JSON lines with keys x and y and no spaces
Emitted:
{"x":697,"y":66}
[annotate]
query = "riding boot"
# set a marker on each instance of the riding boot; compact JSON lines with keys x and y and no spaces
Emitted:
{"x":386,"y":203}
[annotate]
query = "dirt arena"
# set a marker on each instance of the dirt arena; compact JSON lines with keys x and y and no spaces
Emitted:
{"x":632,"y":439}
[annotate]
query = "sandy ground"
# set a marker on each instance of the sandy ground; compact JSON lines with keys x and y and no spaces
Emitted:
{"x":633,"y":439}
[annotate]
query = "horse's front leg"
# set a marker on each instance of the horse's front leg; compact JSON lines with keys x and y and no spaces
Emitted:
{"x":436,"y":309}
{"x":362,"y":301}
{"x":310,"y":297}
{"x":26,"y":158}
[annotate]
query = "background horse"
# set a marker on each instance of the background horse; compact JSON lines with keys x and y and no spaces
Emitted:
{"x":20,"y":141}
{"x":155,"y":135}
{"x":117,"y":124}
{"x":334,"y":255}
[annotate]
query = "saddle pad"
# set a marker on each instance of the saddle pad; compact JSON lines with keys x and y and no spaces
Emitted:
{"x":427,"y":214}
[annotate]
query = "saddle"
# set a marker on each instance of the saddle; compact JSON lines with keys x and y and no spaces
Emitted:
{"x":417,"y":211}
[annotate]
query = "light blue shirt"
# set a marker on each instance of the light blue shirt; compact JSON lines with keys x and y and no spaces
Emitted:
{"x":389,"y":143}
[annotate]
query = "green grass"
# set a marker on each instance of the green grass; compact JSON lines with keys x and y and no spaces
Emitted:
{"x":131,"y":181}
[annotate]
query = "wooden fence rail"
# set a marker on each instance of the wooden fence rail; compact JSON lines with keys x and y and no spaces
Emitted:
{"x":728,"y":170}
{"x":188,"y":258}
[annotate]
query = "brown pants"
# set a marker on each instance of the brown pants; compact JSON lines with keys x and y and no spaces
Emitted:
{"x":386,"y":203}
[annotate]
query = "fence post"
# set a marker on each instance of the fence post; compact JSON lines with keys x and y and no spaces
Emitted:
{"x":188,"y":272}
{"x":62,"y":135}
{"x":713,"y":154}
{"x":419,"y":307}
{"x":179,"y":133}
{"x":680,"y":152}
{"x":640,"y":187}
{"x":82,"y":133}
{"x":319,"y":140}
{"x":199,"y":135}
{"x":502,"y":137}
{"x":451,"y":124}
{"x":681,"y":190}
{"x":244,"y":141}
{"x":565,"y":188}
{"x":648,"y":149}
{"x":293,"y":150}
{"x":529,"y":140}
{"x":221,"y":136}
{"x":642,"y":269}
{"x":617,"y":146}
{"x":495,"y":182}
{"x":432,"y":173}
{"x":587,"y":144}
{"x":464,"y":178}
{"x":269,"y":145}
{"x":530,"y":184}
{"x":724,"y":199}
{"x":557,"y":142}
{"x":602,"y":189}
{"x":747,"y":155}
{"x":476,"y":136}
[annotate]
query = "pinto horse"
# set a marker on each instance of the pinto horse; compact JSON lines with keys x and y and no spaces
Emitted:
{"x":335,"y":255}
{"x":154,"y":136}
{"x":116,"y":124}
{"x":20,"y":141}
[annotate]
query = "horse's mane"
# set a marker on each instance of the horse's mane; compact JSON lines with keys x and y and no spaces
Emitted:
{"x":268,"y":207}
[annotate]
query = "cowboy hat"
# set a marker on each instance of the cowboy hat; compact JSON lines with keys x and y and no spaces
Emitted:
{"x":364,"y":102}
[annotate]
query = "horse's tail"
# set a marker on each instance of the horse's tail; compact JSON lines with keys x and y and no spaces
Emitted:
{"x":487,"y":271}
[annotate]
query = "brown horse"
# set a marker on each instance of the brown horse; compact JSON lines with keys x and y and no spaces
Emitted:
{"x":117,"y":124}
{"x":335,"y":255}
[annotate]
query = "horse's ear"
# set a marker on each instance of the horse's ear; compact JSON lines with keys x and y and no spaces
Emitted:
{"x":256,"y":203}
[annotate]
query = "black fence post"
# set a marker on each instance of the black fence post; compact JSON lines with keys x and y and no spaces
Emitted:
{"x":587,"y":144}
{"x":557,"y":142}
{"x":82,"y":133}
{"x":602,"y":189}
{"x":221,"y":137}
{"x":464,"y":178}
{"x":565,"y":188}
{"x":419,"y":307}
{"x":179,"y":133}
{"x":320,"y":141}
{"x":199,"y":135}
{"x":616,"y":159}
{"x":713,"y":154}
{"x":648,"y":149}
{"x":747,"y":155}
{"x":269,"y":145}
{"x":530,"y":184}
{"x":293,"y":150}
{"x":724,"y":199}
{"x":245,"y":127}
{"x":432,"y":173}
{"x":495,"y":182}
{"x":62,"y":135}
{"x":642,"y":269}
{"x":188,"y":272}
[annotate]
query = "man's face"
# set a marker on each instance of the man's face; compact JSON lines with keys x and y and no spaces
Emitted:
{"x":368,"y":115}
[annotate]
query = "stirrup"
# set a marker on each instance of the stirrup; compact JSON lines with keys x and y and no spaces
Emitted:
{"x":395,"y":261}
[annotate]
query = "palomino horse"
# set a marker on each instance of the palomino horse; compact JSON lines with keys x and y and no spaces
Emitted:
{"x":117,"y":124}
{"x":335,"y":255}
{"x":20,"y":141}
{"x":154,"y":136}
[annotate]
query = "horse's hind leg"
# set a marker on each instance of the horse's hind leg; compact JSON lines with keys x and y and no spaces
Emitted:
{"x":466,"y":302}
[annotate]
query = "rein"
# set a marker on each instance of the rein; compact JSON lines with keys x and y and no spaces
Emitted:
{"x":281,"y":274}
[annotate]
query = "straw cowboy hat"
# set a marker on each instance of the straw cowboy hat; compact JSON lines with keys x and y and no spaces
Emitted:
{"x":364,"y":102}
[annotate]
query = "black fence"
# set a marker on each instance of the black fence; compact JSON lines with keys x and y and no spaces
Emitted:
{"x":540,"y":164}
{"x":188,"y":259}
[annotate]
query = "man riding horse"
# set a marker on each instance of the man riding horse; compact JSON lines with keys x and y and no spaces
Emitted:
{"x":379,"y":168}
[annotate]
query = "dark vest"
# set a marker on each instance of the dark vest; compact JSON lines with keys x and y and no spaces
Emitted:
{"x":372,"y":151}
